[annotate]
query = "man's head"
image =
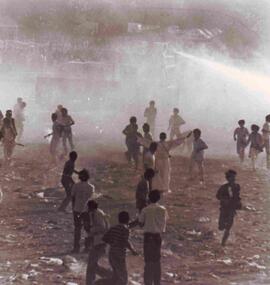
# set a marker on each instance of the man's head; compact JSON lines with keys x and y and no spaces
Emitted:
{"x":162,"y":136}
{"x":149,"y":174}
{"x":84,"y":175}
{"x":255,"y":128}
{"x":152,"y":103}
{"x":146,"y":128}
{"x":230,"y":175}
{"x":60,"y":107}
{"x":133,"y":120}
{"x":241,"y":123}
{"x":73,"y":155}
{"x":175,"y":111}
{"x":64,"y":111}
{"x":92,"y":205}
{"x":123,"y":217}
{"x":9,"y":114}
{"x":153,"y":147}
{"x":197,"y":133}
{"x":54,"y":117}
{"x":267,"y":118}
{"x":154,"y":196}
{"x":19,"y":100}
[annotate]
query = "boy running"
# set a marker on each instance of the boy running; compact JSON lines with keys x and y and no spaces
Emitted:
{"x":175,"y":123}
{"x":230,"y":201}
{"x":197,"y":156}
{"x":240,"y":135}
{"x":256,"y":144}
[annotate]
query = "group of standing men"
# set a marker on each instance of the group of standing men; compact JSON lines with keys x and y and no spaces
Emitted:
{"x":157,"y":154}
{"x":258,"y":142}
{"x":87,"y":215}
{"x":62,"y":124}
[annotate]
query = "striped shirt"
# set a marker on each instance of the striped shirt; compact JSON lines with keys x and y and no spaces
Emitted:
{"x":117,"y":237}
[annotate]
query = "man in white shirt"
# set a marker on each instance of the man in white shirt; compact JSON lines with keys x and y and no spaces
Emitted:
{"x":81,"y":192}
{"x":153,"y":219}
{"x":149,"y":157}
{"x":266,"y":134}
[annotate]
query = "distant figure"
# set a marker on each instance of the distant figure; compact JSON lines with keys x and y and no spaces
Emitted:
{"x":66,"y":123}
{"x":19,"y":117}
{"x":118,"y":239}
{"x":143,"y":188}
{"x":8,"y":134}
{"x":230,"y":201}
{"x":150,"y":114}
{"x":266,"y":142}
{"x":147,"y":136}
{"x":153,"y":219}
{"x":175,"y":123}
{"x":240,"y":135}
{"x":96,"y":225}
{"x":197,"y":156}
{"x":67,"y":180}
{"x":133,"y":146}
{"x":162,"y":178}
{"x":256,"y":144}
{"x":81,"y":193}
{"x":56,"y":135}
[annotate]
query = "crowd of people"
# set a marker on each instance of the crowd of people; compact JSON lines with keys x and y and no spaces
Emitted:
{"x":257,"y":142}
{"x":154,"y":183}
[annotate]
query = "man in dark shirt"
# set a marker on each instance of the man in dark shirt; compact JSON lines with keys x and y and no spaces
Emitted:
{"x":118,"y":239}
{"x":230,"y":201}
{"x":67,"y":180}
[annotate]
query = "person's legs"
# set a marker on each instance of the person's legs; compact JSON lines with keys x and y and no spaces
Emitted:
{"x":65,"y":143}
{"x":242,"y":154}
{"x":53,"y":147}
{"x":70,"y":140}
{"x":253,"y":158}
{"x":119,"y":266}
{"x":67,"y":182}
{"x":135,"y":155}
{"x":191,"y":166}
{"x":267,"y":151}
{"x":164,"y":169}
{"x":152,"y":255}
{"x":92,"y":266}
{"x":77,"y":231}
{"x":201,"y":170}
{"x":228,"y":223}
{"x":172,"y":134}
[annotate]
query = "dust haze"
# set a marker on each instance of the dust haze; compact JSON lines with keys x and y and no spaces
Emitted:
{"x":208,"y":58}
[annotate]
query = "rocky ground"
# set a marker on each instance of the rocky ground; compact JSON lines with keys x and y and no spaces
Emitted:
{"x":36,"y":240}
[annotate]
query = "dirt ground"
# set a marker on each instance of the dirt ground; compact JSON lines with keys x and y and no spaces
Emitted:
{"x":36,"y":240}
